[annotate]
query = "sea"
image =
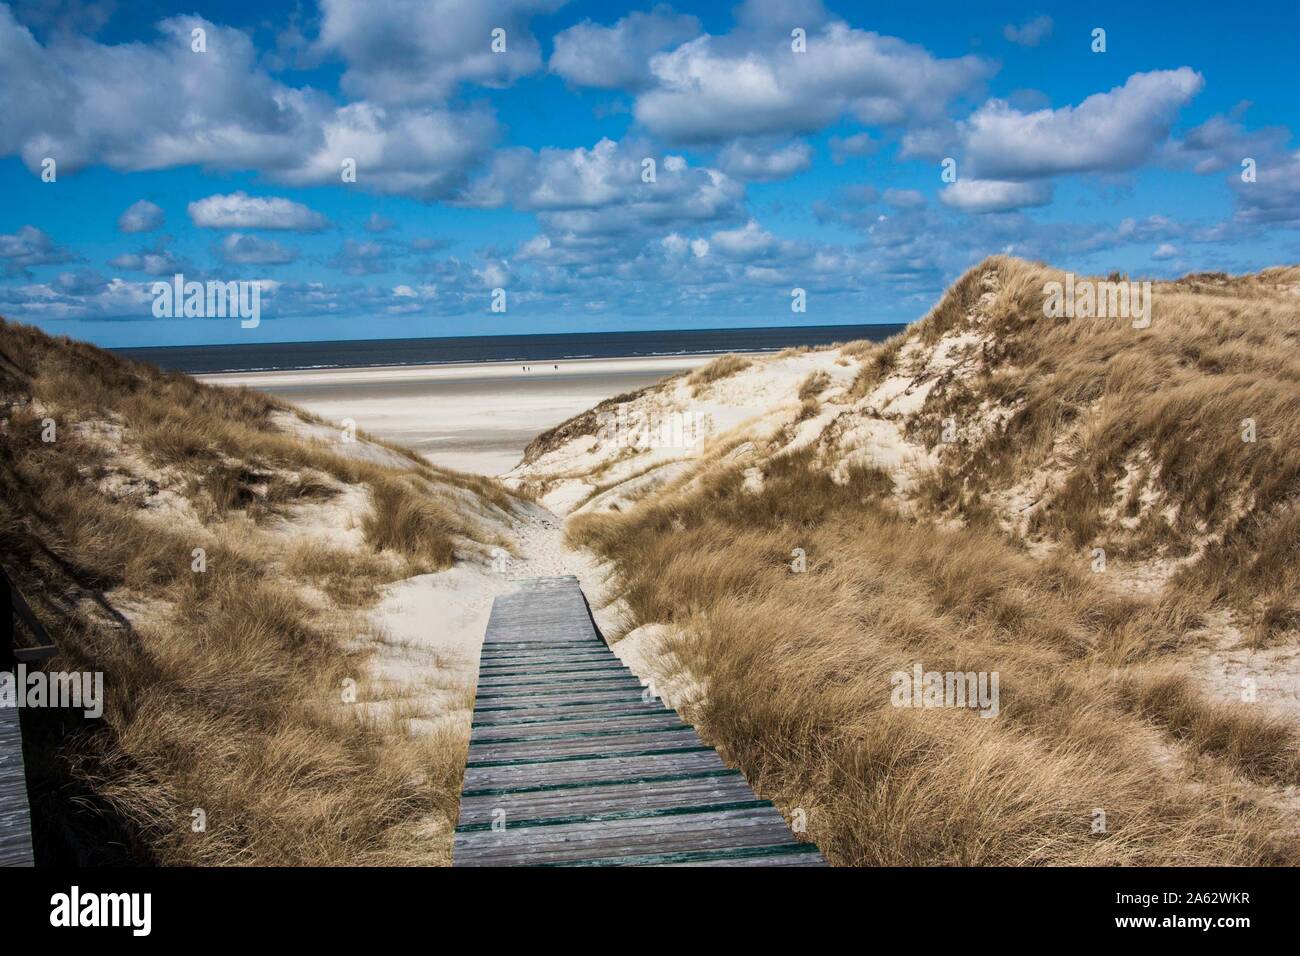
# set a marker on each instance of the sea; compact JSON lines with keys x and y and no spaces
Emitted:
{"x":372,"y":353}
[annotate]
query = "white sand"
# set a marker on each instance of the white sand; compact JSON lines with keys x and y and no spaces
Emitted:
{"x":473,"y":417}
{"x":434,"y":623}
{"x":590,"y":472}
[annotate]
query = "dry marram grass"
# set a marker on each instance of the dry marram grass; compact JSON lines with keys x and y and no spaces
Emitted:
{"x":225,"y":689}
{"x":1100,"y":435}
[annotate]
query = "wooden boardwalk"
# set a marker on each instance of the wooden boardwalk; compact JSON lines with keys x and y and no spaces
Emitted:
{"x":15,"y":813}
{"x":15,"y":819}
{"x":572,"y":763}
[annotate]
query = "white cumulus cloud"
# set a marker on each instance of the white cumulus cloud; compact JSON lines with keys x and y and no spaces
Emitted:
{"x":140,"y":216}
{"x":765,"y":163}
{"x":717,"y":88}
{"x":238,"y":210}
{"x":618,"y":57}
{"x":994,"y":195}
{"x":413,"y":51}
{"x":1110,"y":131}
{"x":240,"y":249}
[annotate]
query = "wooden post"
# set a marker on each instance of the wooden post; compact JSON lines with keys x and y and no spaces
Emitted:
{"x":7,"y":622}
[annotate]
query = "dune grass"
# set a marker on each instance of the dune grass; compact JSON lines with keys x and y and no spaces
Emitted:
{"x":797,"y":669}
{"x":813,"y":385}
{"x":724,"y":366}
{"x":411,"y":524}
{"x":226,"y":687}
{"x":1161,"y":411}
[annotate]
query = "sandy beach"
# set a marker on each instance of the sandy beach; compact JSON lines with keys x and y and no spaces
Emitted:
{"x":474,"y":417}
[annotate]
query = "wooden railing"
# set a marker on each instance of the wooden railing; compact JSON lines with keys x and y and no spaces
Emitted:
{"x":16,"y":615}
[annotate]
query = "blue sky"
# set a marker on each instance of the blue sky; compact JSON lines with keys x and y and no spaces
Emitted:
{"x":523,"y":170}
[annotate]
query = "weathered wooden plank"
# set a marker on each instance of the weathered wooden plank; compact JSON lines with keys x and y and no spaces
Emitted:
{"x":15,"y":814}
{"x":546,"y":729}
{"x":561,"y":699}
{"x":543,"y":664}
{"x":12,"y":788}
{"x":602,"y":694}
{"x":550,"y":671}
{"x":541,"y":611}
{"x":491,"y":665}
{"x":592,"y":729}
{"x":591,"y":801}
{"x":543,"y":681}
{"x":617,"y":768}
{"x":610,"y":676}
{"x":498,"y":819}
{"x":502,"y":650}
{"x":584,"y":767}
{"x":524,"y":613}
{"x":651,"y":741}
{"x":499,"y":642}
{"x":739,"y":856}
{"x":629,"y":688}
{"x":618,"y":709}
{"x":612,"y":839}
{"x":552,"y":663}
{"x":806,"y":858}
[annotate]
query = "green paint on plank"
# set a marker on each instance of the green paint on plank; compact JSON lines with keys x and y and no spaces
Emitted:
{"x":581,"y":735}
{"x":567,"y":758}
{"x":695,"y":856}
{"x":621,"y":815}
{"x":590,"y":715}
{"x":579,"y":784}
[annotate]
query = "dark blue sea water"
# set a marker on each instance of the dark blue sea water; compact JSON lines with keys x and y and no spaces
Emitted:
{"x":198,"y":359}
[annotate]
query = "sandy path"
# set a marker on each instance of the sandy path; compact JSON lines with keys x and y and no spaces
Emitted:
{"x":433,"y":624}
